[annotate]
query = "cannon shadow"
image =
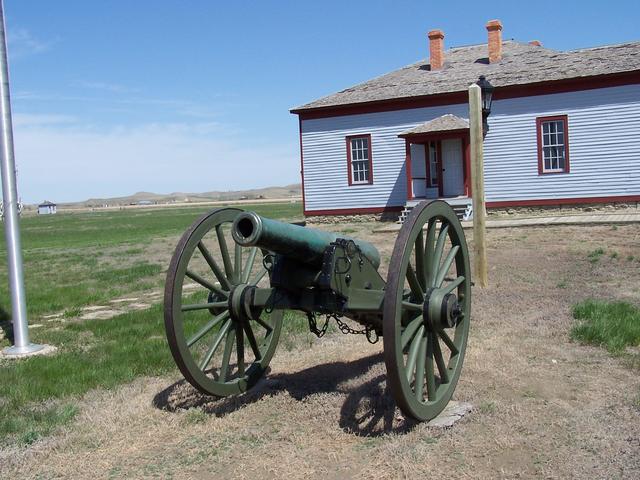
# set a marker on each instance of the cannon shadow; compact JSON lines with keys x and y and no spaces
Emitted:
{"x":368,"y":409}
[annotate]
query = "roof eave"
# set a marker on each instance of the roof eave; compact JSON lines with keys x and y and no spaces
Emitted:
{"x":583,"y":82}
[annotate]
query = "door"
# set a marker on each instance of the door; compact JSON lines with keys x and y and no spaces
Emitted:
{"x":452,"y":168}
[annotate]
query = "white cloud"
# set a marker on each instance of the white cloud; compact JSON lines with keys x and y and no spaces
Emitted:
{"x":32,"y":120}
{"x":63,"y":162}
{"x":105,"y":86}
{"x":126,"y":100}
{"x":23,"y":43}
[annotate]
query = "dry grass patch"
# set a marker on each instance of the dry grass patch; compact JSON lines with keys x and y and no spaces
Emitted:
{"x":546,"y":406}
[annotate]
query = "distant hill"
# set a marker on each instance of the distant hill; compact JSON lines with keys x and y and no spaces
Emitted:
{"x":141,"y":198}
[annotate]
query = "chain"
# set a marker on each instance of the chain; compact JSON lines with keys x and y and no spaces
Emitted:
{"x":313,"y":325}
{"x":370,"y":333}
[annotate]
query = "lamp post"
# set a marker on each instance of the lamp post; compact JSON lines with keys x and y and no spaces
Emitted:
{"x":486,"y":90}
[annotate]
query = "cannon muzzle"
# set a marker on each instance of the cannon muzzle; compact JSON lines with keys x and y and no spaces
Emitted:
{"x":303,"y":244}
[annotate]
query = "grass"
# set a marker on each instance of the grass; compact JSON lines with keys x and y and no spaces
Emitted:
{"x":72,"y":260}
{"x":76,"y":259}
{"x":613,"y":325}
{"x":93,"y":354}
{"x":595,"y":255}
{"x":39,"y":393}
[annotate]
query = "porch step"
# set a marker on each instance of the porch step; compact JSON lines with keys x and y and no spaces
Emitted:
{"x":462,"y":207}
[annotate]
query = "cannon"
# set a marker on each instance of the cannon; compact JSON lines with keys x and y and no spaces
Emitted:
{"x":235,"y":275}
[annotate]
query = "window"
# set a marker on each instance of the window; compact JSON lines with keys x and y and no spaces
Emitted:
{"x":359,"y":160}
{"x":432,"y":173}
{"x":553,"y":144}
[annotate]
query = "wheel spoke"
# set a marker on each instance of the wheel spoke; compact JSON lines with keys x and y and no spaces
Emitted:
{"x":413,"y":283}
{"x":431,"y":377}
{"x":258,"y":277}
{"x":448,"y":342}
{"x":224,"y":251}
{"x":214,"y":266}
{"x":204,"y":306}
{"x":410,"y":330}
{"x":446,"y":265}
{"x":453,"y":285}
{"x":442,"y":366}
{"x":240,"y":350}
{"x":419,"y":384}
{"x":216,"y":343}
{"x":237,"y":259}
{"x":412,"y":306}
{"x":437,"y":254}
{"x":205,"y":283}
{"x":264,"y":324}
{"x":248,"y":266}
{"x":420,"y":260}
{"x":207,"y":327}
{"x":252,"y":340}
{"x":429,"y":246}
{"x":413,"y":353}
{"x":226,"y":356}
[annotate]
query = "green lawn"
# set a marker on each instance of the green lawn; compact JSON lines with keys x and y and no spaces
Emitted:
{"x":613,"y":325}
{"x":77,"y":259}
{"x":73,"y":260}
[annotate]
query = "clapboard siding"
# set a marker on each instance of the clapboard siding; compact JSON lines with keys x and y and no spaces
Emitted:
{"x":326,"y":185}
{"x":604,"y":145}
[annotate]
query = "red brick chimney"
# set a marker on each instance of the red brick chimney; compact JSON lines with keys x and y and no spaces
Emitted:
{"x":494,"y":27}
{"x":436,"y":49}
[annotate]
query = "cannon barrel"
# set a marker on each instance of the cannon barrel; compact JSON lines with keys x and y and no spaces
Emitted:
{"x":304,"y":244}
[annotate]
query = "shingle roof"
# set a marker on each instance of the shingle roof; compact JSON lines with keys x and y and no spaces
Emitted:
{"x":521,"y":64}
{"x":441,"y":124}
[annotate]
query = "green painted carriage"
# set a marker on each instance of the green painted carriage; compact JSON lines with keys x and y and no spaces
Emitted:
{"x":234,"y":274}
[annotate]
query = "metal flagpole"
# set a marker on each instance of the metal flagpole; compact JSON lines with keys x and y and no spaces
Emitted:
{"x":21,"y":346}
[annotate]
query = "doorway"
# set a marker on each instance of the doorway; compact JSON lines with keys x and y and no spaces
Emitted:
{"x":452,"y":168}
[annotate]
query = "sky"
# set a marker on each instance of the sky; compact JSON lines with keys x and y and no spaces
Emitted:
{"x":114,"y":97}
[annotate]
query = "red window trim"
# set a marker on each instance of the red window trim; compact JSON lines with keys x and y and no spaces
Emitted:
{"x":349,"y":170}
{"x":539,"y":121}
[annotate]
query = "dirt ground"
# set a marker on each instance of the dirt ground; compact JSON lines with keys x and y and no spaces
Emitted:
{"x":544,"y":407}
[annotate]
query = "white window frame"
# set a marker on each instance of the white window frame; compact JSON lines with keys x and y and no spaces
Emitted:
{"x":553,"y":144}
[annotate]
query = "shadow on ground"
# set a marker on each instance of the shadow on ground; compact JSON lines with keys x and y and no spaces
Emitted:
{"x":5,"y":324}
{"x":368,"y":409}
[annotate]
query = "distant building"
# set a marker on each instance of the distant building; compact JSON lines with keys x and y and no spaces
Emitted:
{"x":46,"y":208}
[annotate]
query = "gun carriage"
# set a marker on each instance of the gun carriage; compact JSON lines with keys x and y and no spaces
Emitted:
{"x":234,"y":274}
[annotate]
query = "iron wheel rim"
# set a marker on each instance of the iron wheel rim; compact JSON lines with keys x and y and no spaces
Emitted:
{"x":213,"y":381}
{"x":404,"y":354}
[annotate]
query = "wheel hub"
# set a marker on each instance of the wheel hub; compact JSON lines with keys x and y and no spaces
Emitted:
{"x":240,"y":302}
{"x":440,"y":310}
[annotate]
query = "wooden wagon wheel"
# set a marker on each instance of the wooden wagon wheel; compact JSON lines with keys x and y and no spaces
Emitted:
{"x":427,"y":306}
{"x":216,"y":353}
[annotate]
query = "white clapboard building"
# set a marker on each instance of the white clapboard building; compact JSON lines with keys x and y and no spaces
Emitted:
{"x":564,"y":129}
{"x":47,"y":208}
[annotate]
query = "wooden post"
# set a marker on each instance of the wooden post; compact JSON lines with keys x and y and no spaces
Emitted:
{"x":477,"y":181}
